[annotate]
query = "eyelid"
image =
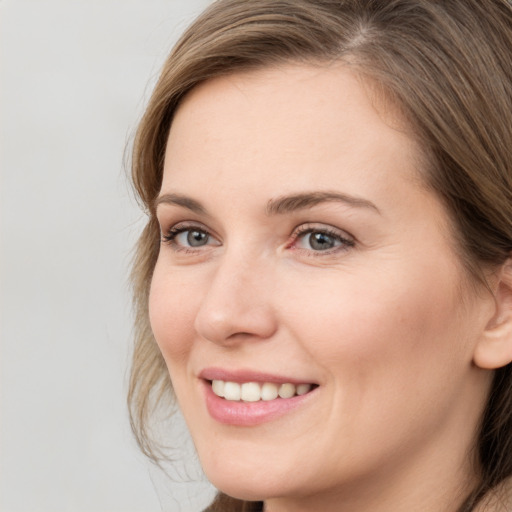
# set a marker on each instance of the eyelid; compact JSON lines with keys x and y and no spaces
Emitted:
{"x":346,"y":239}
{"x":169,"y":235}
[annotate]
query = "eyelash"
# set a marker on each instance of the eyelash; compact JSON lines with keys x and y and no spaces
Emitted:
{"x":174,"y":231}
{"x":305,"y":229}
{"x":344,"y":242}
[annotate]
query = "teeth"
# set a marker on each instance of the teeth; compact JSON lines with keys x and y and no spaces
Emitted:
{"x":253,"y":392}
{"x":286,"y":390}
{"x":302,"y":389}
{"x":218,"y":387}
{"x":250,"y":392}
{"x":232,"y":391}
{"x":268,"y":391}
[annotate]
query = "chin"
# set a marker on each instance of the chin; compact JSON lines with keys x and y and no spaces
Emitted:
{"x":249,"y":482}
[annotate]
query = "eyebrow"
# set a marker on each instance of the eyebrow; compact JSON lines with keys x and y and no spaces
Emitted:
{"x":278,"y":206}
{"x":183,"y":201}
{"x":287,"y":204}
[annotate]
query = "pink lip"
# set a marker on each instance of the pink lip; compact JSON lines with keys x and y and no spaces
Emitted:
{"x":248,"y":414}
{"x":248,"y":376}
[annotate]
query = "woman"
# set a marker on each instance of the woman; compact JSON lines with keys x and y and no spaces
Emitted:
{"x":325,"y":280}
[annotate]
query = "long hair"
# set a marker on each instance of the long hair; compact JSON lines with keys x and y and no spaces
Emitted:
{"x":447,"y":65}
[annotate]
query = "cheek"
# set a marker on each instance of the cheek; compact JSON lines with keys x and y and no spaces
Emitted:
{"x":378,"y":333}
{"x":172,"y":306}
{"x":393,"y":356}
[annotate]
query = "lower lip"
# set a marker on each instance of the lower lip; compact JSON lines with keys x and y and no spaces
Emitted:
{"x":248,"y":414}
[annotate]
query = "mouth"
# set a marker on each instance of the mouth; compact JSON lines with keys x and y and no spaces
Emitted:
{"x":258,"y":391}
{"x":248,"y":398}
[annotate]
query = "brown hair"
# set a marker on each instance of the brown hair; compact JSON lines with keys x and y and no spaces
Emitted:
{"x":446,"y":63}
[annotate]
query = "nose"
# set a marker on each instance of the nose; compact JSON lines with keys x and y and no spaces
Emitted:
{"x":238,"y":302}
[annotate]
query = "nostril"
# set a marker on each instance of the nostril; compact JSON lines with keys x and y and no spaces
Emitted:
{"x":232,"y":323}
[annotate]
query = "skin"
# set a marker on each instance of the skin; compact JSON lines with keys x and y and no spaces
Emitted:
{"x":385,"y":324}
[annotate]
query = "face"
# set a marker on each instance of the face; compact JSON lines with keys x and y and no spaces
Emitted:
{"x":302,"y":257}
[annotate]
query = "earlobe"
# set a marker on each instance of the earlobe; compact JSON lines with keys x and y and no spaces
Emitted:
{"x":494,"y":348}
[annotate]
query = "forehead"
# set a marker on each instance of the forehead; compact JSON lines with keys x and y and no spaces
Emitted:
{"x":303,"y":122}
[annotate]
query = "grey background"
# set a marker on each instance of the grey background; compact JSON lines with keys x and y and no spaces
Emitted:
{"x":75,"y":75}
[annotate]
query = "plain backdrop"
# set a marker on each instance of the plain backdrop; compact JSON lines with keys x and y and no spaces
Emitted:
{"x":75,"y":75}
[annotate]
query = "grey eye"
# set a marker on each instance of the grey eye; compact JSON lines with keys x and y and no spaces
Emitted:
{"x":319,"y":241}
{"x":193,"y":237}
{"x":196,"y":238}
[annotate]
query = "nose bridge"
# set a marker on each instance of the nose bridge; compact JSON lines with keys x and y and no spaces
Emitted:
{"x":238,"y":301}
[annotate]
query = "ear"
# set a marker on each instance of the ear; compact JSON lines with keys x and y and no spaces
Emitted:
{"x":494,"y":349}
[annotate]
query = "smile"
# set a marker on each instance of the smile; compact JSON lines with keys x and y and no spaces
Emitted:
{"x":249,"y":398}
{"x":254,"y":391}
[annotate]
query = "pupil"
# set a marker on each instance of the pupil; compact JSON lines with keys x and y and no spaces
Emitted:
{"x":196,"y":238}
{"x":321,"y":241}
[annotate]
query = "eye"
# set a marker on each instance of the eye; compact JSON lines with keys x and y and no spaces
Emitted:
{"x":192,"y":237}
{"x":321,"y":239}
{"x":183,"y":237}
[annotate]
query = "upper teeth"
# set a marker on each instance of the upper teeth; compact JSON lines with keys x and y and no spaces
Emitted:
{"x":253,"y":391}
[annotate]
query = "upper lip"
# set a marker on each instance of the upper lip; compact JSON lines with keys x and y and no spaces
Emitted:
{"x":246,"y":375}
